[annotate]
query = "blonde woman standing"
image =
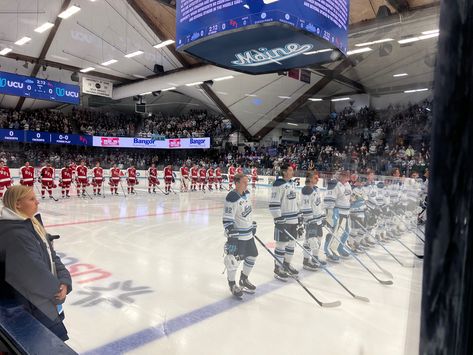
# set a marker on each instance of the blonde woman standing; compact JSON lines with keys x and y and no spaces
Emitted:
{"x":30,"y":270}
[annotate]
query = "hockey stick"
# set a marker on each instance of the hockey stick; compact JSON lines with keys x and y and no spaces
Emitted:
{"x":383,"y":282}
{"x":361,"y":298}
{"x":86,"y":192}
{"x":320,"y":303}
{"x":379,"y":243}
{"x":164,"y":193}
{"x":387,"y":273}
{"x":407,"y":226}
{"x":405,"y":246}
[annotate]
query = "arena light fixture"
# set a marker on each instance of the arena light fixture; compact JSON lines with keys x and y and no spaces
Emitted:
{"x":86,"y":70}
{"x":358,"y":51}
{"x":314,"y":99}
{"x":69,"y":12}
{"x":5,"y":51}
{"x":374,"y":42}
{"x":146,"y":93}
{"x":224,"y":78}
{"x":109,"y":62}
{"x":400,"y":75}
{"x":431,"y":32}
{"x":22,"y":41}
{"x":133,"y":54}
{"x":251,"y":95}
{"x":418,"y":38}
{"x":139,"y":76}
{"x":222,"y":92}
{"x":195,"y":84}
{"x":169,"y":89}
{"x":292,"y":124}
{"x":284,"y":97}
{"x":319,"y":51}
{"x":164,"y":44}
{"x":415,"y":90}
{"x":430,"y":35}
{"x":341,"y":99}
{"x":44,"y":27}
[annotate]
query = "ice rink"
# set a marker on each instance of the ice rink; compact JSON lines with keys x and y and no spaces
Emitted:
{"x":147,"y":279}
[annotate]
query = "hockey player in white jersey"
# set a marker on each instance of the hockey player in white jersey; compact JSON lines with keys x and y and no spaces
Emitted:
{"x":283,"y":205}
{"x":357,"y":214}
{"x":239,"y":230}
{"x":311,"y":206}
{"x":340,"y":215}
{"x":370,"y":193}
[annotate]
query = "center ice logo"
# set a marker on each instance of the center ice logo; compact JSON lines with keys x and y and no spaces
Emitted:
{"x":263,"y":56}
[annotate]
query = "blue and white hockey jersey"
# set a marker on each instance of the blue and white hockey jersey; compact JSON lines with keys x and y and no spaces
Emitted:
{"x":311,"y":205}
{"x":237,"y":215}
{"x":283,"y":203}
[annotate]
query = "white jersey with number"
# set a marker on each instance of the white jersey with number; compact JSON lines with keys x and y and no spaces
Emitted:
{"x":342,"y":198}
{"x":311,"y":205}
{"x":237,"y":215}
{"x":283,"y":203}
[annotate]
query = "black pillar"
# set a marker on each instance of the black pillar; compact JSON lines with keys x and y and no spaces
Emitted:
{"x":447,"y":299}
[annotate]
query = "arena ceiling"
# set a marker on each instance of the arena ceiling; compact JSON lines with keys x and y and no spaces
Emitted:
{"x":109,"y":29}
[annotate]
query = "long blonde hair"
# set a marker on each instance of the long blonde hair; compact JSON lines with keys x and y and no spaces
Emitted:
{"x":10,"y":199}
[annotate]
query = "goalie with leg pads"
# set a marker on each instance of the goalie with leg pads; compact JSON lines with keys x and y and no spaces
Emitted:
{"x":239,"y":230}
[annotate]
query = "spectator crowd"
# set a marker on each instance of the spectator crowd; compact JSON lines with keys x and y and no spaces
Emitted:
{"x":398,"y":136}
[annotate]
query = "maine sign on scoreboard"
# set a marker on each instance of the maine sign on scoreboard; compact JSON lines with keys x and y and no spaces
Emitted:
{"x":263,"y":36}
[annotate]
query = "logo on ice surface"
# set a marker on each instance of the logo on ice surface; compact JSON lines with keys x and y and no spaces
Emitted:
{"x":263,"y":56}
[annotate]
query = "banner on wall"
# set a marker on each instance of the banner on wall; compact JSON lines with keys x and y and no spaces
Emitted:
{"x":149,"y":143}
{"x":97,"y":87}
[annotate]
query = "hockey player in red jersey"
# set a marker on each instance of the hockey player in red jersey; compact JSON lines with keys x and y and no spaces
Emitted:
{"x":97,"y":179}
{"x":27,"y":175}
{"x":82,"y":180}
{"x":65,"y":180}
{"x":168,"y":178}
{"x":152,"y":178}
{"x":5,"y":178}
{"x":131,"y":179}
{"x":184,"y":172}
{"x":210,"y":177}
{"x":195,"y":177}
{"x":218,"y":178}
{"x":47,"y":179}
{"x":231,"y":176}
{"x":254,"y":177}
{"x":202,"y":177}
{"x":114,"y":179}
{"x":239,"y":170}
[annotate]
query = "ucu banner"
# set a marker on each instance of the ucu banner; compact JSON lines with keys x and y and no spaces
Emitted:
{"x":41,"y":89}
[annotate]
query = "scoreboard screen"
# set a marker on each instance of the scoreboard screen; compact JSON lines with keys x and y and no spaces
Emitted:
{"x":41,"y":89}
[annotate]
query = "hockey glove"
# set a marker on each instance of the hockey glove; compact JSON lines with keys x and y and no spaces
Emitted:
{"x":231,"y":246}
{"x":253,"y":226}
{"x":300,"y":231}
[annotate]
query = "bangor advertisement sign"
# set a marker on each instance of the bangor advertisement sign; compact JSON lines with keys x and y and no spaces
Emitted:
{"x":149,"y":143}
